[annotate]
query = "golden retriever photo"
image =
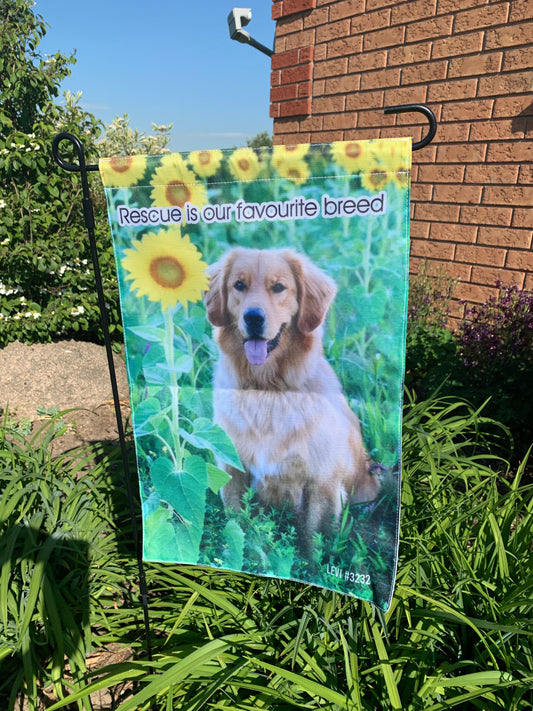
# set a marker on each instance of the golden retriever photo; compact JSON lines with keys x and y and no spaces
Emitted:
{"x":275,"y":394}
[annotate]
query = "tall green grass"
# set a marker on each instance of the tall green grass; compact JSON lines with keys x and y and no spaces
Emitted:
{"x":457,"y":636}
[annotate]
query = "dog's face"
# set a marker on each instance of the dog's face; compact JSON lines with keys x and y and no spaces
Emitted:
{"x":263,"y":294}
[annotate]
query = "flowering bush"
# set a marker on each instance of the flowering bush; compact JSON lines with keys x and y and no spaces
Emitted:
{"x":496,"y":348}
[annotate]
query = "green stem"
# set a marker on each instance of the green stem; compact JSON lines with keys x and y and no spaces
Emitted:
{"x":173,"y":384}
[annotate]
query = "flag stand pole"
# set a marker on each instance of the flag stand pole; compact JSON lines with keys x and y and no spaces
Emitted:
{"x":82,"y":168}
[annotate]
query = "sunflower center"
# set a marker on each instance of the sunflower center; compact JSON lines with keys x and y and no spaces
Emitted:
{"x":178,"y":193}
{"x":167,"y":272}
{"x":244,"y":164}
{"x":121,"y":164}
{"x":353,"y":150}
{"x":204,"y":157}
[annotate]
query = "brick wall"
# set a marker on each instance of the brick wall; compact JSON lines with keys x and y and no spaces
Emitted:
{"x":337,"y":63}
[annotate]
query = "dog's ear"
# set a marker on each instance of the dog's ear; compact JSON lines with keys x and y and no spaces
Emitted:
{"x":316,"y":292}
{"x":215,"y":298}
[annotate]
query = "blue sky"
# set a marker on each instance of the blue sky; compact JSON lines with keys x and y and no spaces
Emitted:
{"x":166,"y":62}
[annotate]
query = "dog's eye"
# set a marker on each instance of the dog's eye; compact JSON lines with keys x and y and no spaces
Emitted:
{"x":239,"y":285}
{"x":278,"y":288}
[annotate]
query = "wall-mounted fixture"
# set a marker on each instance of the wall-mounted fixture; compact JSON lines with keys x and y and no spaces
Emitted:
{"x":238,"y":18}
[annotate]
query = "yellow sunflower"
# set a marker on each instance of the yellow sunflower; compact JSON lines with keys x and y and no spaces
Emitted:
{"x":391,"y":155}
{"x":282,"y":153}
{"x":122,"y":171}
{"x":350,"y":155}
{"x":375,"y":180}
{"x":175,"y":184}
{"x":244,"y":164}
{"x":206,"y":163}
{"x":294,"y":169}
{"x":166,"y":267}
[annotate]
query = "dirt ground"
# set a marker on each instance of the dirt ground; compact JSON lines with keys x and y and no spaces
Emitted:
{"x":40,"y":379}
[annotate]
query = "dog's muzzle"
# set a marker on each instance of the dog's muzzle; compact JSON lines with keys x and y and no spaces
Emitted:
{"x":257,"y":348}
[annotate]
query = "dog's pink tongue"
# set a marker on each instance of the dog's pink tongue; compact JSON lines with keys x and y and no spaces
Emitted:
{"x":256,"y":351}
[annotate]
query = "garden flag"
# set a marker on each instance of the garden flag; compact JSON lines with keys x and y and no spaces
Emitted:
{"x":264,"y":298}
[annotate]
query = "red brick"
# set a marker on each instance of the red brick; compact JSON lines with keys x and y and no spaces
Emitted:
{"x":277,"y":10}
{"x":475,"y":65}
{"x":305,"y":89}
{"x":374,"y":118}
{"x":365,"y":100}
{"x":289,"y":26}
{"x":441,"y":173}
{"x":438,"y":212}
{"x":299,"y":107}
{"x":331,"y":67}
{"x":284,"y":93}
{"x":291,"y":7}
{"x":318,"y":17}
{"x":343,"y":85}
{"x":511,"y":152}
{"x":454,"y":46}
{"x":526,"y":175}
{"x":306,"y":54}
{"x":486,"y":215}
{"x":285,"y":59}
{"x":458,"y":194}
{"x":370,"y":21}
{"x":424,"y":73}
{"x":416,"y":94}
{"x":429,"y":29}
{"x":515,"y":59}
{"x":474,"y":293}
{"x":380,"y":79}
{"x":345,"y":46}
{"x":412,"y":11}
{"x":420,"y":229}
{"x":505,"y":237}
{"x":333,"y":30}
{"x":451,"y":133}
{"x":494,"y":131}
{"x":275,"y":78}
{"x":520,"y":260}
{"x":491,"y":275}
{"x":452,"y":89}
{"x":298,"y":40}
{"x":461,"y":153}
{"x":521,"y":10}
{"x":446,"y":231}
{"x":349,"y":8}
{"x":476,"y":109}
{"x":329,"y":104}
{"x":475,"y":254}
{"x":388,"y":37}
{"x":491,"y":173}
{"x":366,"y":61}
{"x":421,"y":192}
{"x":433,"y":250}
{"x":509,"y":36}
{"x":293,"y":75}
{"x":486,"y":16}
{"x":522,"y":217}
{"x":376,"y":4}
{"x":513,"y":106}
{"x":510,"y":83}
{"x":342,"y":121}
{"x":446,"y":6}
{"x":409,"y":54}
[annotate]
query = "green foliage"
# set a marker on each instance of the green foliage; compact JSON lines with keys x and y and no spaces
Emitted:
{"x":121,"y":140}
{"x":60,"y":574}
{"x":431,"y":348}
{"x":261,"y":139}
{"x":458,"y":633}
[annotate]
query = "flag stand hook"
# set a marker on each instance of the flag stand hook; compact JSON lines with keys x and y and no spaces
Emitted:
{"x":82,"y":168}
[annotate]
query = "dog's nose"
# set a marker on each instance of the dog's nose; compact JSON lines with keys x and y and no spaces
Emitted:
{"x":255,"y":322}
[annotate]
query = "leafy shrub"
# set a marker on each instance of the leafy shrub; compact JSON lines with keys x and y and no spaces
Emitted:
{"x":457,"y":635}
{"x":495,"y":342}
{"x":60,"y":572}
{"x":431,"y":348}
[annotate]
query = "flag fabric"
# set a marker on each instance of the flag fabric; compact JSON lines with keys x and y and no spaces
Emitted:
{"x":264,"y":304}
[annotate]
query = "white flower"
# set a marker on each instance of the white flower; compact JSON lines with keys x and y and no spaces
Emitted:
{"x":3,"y":204}
{"x":77,"y":311}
